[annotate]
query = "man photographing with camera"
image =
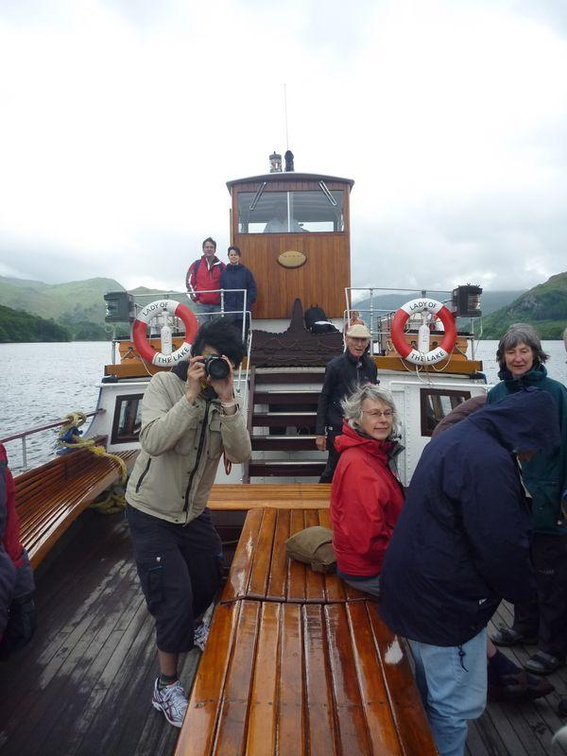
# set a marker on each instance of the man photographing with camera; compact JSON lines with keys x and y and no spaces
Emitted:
{"x":189,"y":418}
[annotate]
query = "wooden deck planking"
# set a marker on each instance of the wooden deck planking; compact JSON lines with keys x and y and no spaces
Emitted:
{"x":103,"y":696}
{"x":523,"y":728}
{"x":83,"y":651}
{"x":84,"y":683}
{"x":68,"y":642}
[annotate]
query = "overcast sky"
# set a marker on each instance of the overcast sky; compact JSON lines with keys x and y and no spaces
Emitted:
{"x":122,"y":120}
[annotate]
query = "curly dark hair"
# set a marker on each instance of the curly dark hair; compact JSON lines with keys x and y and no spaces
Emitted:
{"x":220,"y":334}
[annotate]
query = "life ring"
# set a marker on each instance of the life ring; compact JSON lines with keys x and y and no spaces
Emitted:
{"x":151,"y":311}
{"x":416,"y":356}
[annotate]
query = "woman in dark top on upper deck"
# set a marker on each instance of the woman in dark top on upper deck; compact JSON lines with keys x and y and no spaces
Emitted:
{"x":237,"y":276}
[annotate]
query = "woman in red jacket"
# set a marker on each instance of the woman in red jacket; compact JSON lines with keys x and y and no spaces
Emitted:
{"x":366,"y":495}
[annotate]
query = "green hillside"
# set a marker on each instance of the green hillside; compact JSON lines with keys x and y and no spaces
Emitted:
{"x":17,"y":326}
{"x":78,"y":307}
{"x":84,"y":298}
{"x":544,"y":307}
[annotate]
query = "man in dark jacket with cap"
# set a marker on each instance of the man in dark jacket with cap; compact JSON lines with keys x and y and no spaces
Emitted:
{"x":460,"y":546}
{"x":343,"y":375}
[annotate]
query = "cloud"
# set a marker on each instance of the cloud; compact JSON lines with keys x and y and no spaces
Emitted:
{"x":122,"y":123}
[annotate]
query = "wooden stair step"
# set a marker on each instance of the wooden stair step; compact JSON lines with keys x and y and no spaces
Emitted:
{"x":293,"y":396}
{"x":282,"y":468}
{"x":284,"y":443}
{"x":283,"y":419}
{"x":293,"y":376}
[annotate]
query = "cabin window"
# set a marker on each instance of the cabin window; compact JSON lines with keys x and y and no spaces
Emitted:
{"x":127,"y":419}
{"x":313,"y":211}
{"x":437,"y":404}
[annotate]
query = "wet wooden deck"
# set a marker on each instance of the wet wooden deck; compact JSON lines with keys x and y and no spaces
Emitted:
{"x":83,"y":685}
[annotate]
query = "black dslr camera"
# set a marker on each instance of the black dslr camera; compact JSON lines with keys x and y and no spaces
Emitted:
{"x":216,"y":367}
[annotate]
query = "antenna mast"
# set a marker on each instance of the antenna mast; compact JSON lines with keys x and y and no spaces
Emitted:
{"x":285,"y":112}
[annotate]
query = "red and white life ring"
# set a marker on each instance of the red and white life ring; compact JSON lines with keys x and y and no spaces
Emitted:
{"x":416,"y":356}
{"x":150,"y":312}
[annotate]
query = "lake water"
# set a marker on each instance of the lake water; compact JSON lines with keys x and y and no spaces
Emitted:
{"x":41,"y":383}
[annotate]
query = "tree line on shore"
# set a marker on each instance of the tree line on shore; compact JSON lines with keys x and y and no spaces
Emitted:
{"x":32,"y":311}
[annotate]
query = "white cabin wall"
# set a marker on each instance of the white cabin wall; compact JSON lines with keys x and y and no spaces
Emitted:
{"x":407,"y":398}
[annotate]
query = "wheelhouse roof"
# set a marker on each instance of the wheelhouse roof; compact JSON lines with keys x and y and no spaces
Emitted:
{"x":285,"y":176}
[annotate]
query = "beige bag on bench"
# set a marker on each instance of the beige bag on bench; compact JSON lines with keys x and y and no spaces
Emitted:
{"x":313,"y":546}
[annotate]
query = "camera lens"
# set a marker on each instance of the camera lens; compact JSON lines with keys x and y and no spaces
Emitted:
{"x":216,"y":367}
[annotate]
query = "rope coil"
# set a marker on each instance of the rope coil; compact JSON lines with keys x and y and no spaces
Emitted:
{"x":69,"y":438}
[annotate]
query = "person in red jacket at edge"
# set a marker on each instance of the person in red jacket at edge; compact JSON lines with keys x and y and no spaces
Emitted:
{"x":203,"y":282}
{"x":17,"y":611}
{"x":366,"y":495}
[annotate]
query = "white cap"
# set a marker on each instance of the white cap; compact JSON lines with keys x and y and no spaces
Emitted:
{"x":359,"y":331}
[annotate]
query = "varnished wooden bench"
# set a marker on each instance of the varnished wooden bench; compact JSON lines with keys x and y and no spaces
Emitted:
{"x":291,"y":679}
{"x":297,"y":663}
{"x":51,"y":497}
{"x":261,"y":570}
{"x":242,"y":497}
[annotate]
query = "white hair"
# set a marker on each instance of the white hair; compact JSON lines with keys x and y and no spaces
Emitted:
{"x":352,"y":406}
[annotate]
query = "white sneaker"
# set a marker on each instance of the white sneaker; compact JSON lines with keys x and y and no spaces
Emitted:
{"x":172,"y":701}
{"x":200,"y":635}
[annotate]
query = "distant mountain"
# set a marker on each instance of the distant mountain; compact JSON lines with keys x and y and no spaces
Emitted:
{"x":58,"y":300}
{"x":489,"y":302}
{"x":544,"y":307}
{"x":141,"y":293}
{"x":78,"y":306}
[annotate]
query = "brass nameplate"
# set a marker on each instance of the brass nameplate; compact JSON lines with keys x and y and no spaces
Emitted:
{"x":292,"y":258}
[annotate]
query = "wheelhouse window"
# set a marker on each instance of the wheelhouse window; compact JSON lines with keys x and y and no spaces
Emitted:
{"x":437,"y":404}
{"x":312,"y":211}
{"x":127,"y":419}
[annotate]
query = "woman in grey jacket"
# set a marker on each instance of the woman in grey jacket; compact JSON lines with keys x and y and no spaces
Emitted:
{"x":189,"y":418}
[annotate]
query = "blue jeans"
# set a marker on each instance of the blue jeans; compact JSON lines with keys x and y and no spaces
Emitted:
{"x":368,"y":585}
{"x":206,"y":312}
{"x":452,"y":681}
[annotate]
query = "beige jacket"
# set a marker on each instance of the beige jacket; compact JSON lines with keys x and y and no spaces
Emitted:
{"x":181,"y":447}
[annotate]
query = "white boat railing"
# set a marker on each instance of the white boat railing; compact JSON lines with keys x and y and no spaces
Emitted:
{"x":244,"y":316}
{"x":24,"y":435}
{"x":378,"y":319}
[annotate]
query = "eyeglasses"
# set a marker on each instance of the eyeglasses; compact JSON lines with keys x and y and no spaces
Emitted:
{"x":386,"y":414}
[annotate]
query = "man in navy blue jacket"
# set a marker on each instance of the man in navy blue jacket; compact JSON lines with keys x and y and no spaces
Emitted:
{"x":460,"y":546}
